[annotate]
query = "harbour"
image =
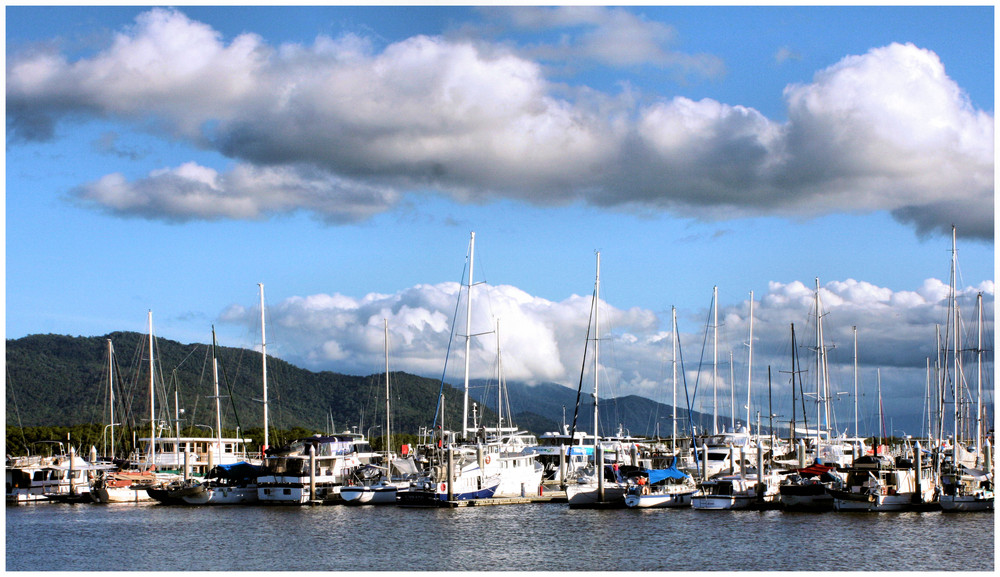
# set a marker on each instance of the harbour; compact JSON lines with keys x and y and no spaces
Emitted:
{"x":538,"y":537}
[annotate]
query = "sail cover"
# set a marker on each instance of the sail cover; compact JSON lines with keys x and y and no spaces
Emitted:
{"x":672,"y":472}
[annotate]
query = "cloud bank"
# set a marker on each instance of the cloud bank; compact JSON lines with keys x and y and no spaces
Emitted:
{"x":543,"y":340}
{"x":343,"y":130}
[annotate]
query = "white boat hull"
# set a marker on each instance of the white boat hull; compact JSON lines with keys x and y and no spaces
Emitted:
{"x":120,"y":494}
{"x":369,"y":495}
{"x":966,"y":503}
{"x":660,"y":500}
{"x":720,"y":502}
{"x":586,"y":495}
{"x":875,"y":503}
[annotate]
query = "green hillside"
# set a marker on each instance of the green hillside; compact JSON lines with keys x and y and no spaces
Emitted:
{"x":63,"y":381}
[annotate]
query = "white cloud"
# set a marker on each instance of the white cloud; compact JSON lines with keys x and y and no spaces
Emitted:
{"x":345,"y":131}
{"x":543,"y":341}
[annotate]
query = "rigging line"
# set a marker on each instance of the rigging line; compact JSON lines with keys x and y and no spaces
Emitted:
{"x":583,"y":366}
{"x":680,"y":353}
{"x":232,"y":398}
{"x":701,"y":360}
{"x":447,"y":354}
{"x":16,"y":411}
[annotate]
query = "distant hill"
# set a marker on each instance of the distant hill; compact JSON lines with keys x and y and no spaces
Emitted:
{"x":57,"y":380}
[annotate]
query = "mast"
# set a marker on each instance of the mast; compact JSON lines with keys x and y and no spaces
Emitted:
{"x":111,"y":394}
{"x":263,"y":358}
{"x":468,"y":337}
{"x":215,"y":391}
{"x":715,"y":360}
{"x":979,"y":378}
{"x":955,"y":357}
{"x":881,"y":416}
{"x":855,"y":329}
{"x":597,"y":346}
{"x":673,"y":380}
{"x":819,"y":367}
{"x":500,"y":386}
{"x":152,"y":397}
{"x":732,"y":393}
{"x":750,"y":362}
{"x":388,"y":437}
{"x":792,"y":432}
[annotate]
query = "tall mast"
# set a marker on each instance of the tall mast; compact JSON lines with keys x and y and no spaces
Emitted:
{"x":881,"y":417}
{"x":819,"y":367}
{"x":500,"y":386}
{"x":979,"y":378}
{"x":263,"y":358}
{"x":597,"y":347}
{"x":750,"y":361}
{"x":715,"y":360}
{"x":152,"y":396}
{"x":732,"y":392}
{"x":468,"y":337}
{"x":955,"y":356}
{"x":673,"y":380}
{"x":111,"y":394}
{"x":855,"y":329}
{"x":388,"y":437}
{"x":218,"y":404}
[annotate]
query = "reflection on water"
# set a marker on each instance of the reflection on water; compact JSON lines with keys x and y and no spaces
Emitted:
{"x":542,"y":537}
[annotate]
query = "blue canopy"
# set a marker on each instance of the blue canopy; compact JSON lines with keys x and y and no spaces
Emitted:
{"x":672,"y":472}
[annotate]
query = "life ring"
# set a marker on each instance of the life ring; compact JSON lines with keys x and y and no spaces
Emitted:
{"x":487,"y":459}
{"x":444,"y":488}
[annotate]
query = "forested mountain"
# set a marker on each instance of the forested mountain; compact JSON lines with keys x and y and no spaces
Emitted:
{"x":56,"y":380}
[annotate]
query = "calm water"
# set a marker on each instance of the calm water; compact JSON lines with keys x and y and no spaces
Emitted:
{"x":539,"y":537}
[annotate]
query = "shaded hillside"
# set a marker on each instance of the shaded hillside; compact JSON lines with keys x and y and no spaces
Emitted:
{"x":55,"y":380}
{"x":60,"y":380}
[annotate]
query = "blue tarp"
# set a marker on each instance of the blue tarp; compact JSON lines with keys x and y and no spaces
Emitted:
{"x":239,"y":470}
{"x":672,"y":472}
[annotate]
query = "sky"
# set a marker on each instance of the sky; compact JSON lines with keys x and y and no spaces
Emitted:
{"x":170,"y":159}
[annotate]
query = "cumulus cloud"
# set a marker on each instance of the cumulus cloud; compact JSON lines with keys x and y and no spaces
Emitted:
{"x":346,"y":131}
{"x":543,"y":340}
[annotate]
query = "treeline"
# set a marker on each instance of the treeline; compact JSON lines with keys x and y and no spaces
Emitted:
{"x":62,"y":381}
{"x":83,"y":437}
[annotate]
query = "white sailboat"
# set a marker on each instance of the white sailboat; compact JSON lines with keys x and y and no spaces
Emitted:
{"x":742,"y":486}
{"x":226,"y":483}
{"x":115,"y":485}
{"x":967,"y":479}
{"x":603,"y":486}
{"x":383,"y":489}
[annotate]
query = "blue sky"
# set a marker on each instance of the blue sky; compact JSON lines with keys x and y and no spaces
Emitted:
{"x":171,"y":159}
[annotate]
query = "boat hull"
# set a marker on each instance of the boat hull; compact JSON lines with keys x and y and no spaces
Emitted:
{"x":844,"y":501}
{"x":966,"y":503}
{"x":223,"y":495}
{"x":120,"y":494}
{"x":720,"y":502}
{"x":665,"y":500}
{"x":358,"y":495}
{"x":586,"y":496}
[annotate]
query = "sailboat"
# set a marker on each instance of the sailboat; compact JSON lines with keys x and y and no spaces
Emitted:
{"x":749,"y":487}
{"x":805,"y":489}
{"x":114,"y":485}
{"x":478,"y":462}
{"x":967,"y":479}
{"x":603,"y":486}
{"x":226,"y":483}
{"x":383,"y":489}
